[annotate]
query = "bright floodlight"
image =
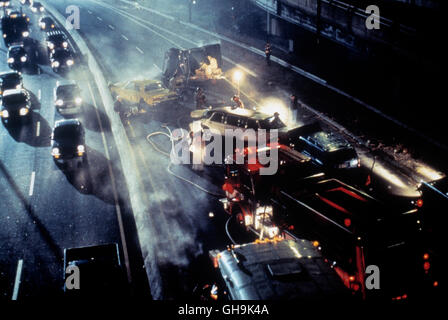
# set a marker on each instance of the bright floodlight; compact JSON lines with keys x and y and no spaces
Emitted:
{"x":237,"y":76}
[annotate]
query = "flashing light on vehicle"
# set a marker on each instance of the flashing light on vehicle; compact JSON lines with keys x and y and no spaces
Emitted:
{"x":25,"y":34}
{"x":81,"y":149}
{"x":419,"y":203}
{"x":55,"y":153}
{"x":272,"y":232}
{"x":272,"y":105}
{"x":11,"y":60}
{"x":78,"y":100}
{"x":55,"y":64}
{"x":23,"y":111}
{"x":65,"y":44}
{"x":5,"y":114}
{"x":70,"y":62}
{"x":23,"y":59}
{"x":248,"y":220}
{"x":347,"y":222}
{"x":59,"y":102}
{"x":355,"y":163}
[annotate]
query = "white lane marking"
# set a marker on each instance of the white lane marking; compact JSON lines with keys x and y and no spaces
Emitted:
{"x":140,"y":50}
{"x":15,"y":292}
{"x":157,"y":67}
{"x":124,"y":37}
{"x":33,"y":177}
{"x":99,"y":18}
{"x":114,"y":188}
{"x":111,"y":27}
{"x":38,"y":128}
{"x":39,"y":94}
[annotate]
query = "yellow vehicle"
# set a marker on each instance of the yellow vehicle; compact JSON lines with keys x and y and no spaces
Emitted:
{"x":151,"y":91}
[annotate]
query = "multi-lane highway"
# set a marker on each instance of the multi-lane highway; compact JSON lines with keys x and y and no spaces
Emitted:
{"x":165,"y":250}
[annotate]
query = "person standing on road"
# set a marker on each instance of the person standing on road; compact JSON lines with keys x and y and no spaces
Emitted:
{"x":294,"y":107}
{"x":200,"y":98}
{"x":267,"y":52}
{"x":238,"y":103}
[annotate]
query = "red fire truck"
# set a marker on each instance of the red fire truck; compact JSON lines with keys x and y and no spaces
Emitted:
{"x":354,"y":229}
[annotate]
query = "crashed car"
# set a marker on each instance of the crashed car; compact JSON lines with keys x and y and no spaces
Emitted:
{"x":151,"y":91}
{"x":10,"y":80}
{"x":193,"y":67}
{"x":61,"y":60}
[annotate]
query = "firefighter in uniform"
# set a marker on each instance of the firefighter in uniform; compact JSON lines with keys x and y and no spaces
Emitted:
{"x":294,"y":107}
{"x":237,"y":102}
{"x":200,"y":98}
{"x":267,"y":52}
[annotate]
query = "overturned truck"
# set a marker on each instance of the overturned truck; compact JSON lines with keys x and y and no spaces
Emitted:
{"x":184,"y":70}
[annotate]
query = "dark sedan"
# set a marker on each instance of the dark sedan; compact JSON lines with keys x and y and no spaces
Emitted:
{"x":67,"y":142}
{"x":10,"y":80}
{"x":15,"y":105}
{"x":61,"y":59}
{"x":17,"y":57}
{"x":46,"y":23}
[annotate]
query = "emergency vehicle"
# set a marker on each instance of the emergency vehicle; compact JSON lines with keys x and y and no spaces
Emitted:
{"x":355,"y":229}
{"x":276,"y":269}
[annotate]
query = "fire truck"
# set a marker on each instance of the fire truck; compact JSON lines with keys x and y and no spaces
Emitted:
{"x":276,"y":269}
{"x":355,"y":229}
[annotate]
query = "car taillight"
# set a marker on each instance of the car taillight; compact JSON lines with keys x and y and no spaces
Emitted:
{"x":419,"y":203}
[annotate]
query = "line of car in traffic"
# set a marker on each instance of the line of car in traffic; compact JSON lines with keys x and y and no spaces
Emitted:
{"x":67,"y":138}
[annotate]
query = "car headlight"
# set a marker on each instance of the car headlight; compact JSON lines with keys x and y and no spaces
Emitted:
{"x":55,"y":152}
{"x":19,"y":86}
{"x":25,"y":33}
{"x":51,"y":45}
{"x":41,"y":9}
{"x":65,"y":44}
{"x":5,"y":114}
{"x":42,"y":25}
{"x":70,"y":62}
{"x":4,"y":35}
{"x":23,"y":59}
{"x":23,"y":111}
{"x":10,"y":60}
{"x":55,"y":64}
{"x":59,"y":102}
{"x":354,"y":163}
{"x":33,"y":9}
{"x":81,"y":149}
{"x":78,"y":100}
{"x":52,"y":26}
